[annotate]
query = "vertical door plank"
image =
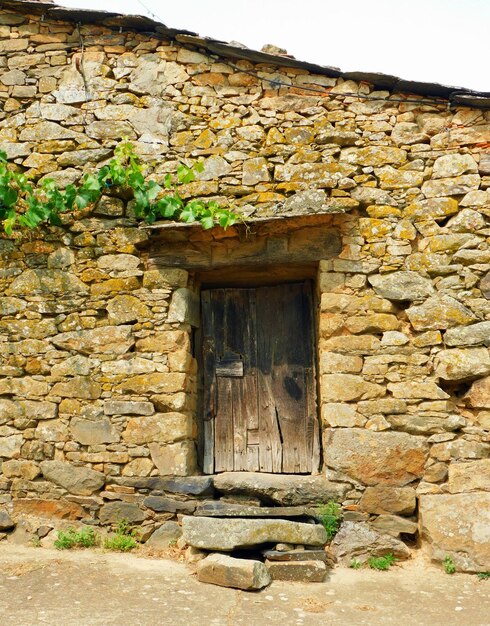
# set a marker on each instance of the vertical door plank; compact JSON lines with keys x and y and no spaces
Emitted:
{"x":270,"y":444}
{"x":223,"y":427}
{"x":312,"y":423}
{"x":288,"y":376}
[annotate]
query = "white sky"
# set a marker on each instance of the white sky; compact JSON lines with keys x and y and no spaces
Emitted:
{"x":444,"y":41}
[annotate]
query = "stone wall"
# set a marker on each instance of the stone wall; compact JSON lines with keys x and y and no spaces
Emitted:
{"x":98,"y":377}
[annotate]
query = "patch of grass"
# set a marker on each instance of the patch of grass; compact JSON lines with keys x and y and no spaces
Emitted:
{"x":120,"y":543}
{"x":330,"y":515}
{"x":483,"y":575}
{"x":355,"y":564}
{"x":84,"y":538}
{"x":124,"y":540}
{"x":382,"y":563}
{"x":448,"y":565}
{"x":36,"y":542}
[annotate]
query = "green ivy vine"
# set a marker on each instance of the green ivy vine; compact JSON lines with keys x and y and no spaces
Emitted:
{"x":25,"y":204}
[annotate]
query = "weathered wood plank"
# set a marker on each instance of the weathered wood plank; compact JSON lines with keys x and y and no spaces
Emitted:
{"x":223,"y":427}
{"x":270,"y":444}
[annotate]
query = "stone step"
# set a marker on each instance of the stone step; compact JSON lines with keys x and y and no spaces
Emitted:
{"x":211,"y":508}
{"x":282,"y":489}
{"x":299,"y":571}
{"x":224,"y":534}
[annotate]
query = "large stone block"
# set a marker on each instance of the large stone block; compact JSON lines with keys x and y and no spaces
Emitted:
{"x":106,"y":339}
{"x":160,"y":427}
{"x":358,"y":540}
{"x":388,"y":458}
{"x":282,"y":489}
{"x":387,"y":499}
{"x":471,"y":476}
{"x":226,"y":571}
{"x":114,"y":512}
{"x":348,"y":387}
{"x":61,"y":509}
{"x":456,"y":186}
{"x":374,"y":155}
{"x":184,"y":307}
{"x":46,"y":282}
{"x":439,"y":312}
{"x":458,"y":525}
{"x":463,"y":364}
{"x":10,"y":445}
{"x":174,"y":459}
{"x":93,"y":432}
{"x":126,"y":407}
{"x":80,"y":481}
{"x":402,"y":285}
{"x":474,"y":334}
{"x":125,"y":308}
{"x":478,"y":395}
{"x":451,"y":165}
{"x":154,"y":383}
{"x":78,"y":387}
{"x":212,"y":533}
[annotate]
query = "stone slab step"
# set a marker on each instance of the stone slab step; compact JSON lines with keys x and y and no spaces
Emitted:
{"x":224,"y":534}
{"x":300,"y":571}
{"x":283,"y":489}
{"x":222,"y":509}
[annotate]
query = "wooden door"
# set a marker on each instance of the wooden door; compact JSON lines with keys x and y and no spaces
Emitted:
{"x":259,"y":380}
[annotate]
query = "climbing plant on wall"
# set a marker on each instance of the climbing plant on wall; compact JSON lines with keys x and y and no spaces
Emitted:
{"x":27,"y":204}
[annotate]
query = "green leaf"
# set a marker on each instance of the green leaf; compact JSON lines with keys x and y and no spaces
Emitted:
{"x":207,"y":222}
{"x":167,"y":181}
{"x":185,"y":174}
{"x":153,"y":189}
{"x":9,"y":223}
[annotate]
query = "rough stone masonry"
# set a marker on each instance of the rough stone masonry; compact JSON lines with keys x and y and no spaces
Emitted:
{"x":98,"y":382}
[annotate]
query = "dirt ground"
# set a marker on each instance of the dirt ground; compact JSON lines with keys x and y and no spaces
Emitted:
{"x":93,"y":588}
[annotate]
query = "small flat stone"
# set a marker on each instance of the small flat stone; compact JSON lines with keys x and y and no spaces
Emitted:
{"x":186,"y":485}
{"x":165,"y":535}
{"x":359,"y":540}
{"x":168,"y":505}
{"x":298,"y":571}
{"x":114,"y":512}
{"x":6,"y":522}
{"x":299,"y":555}
{"x":226,"y":571}
{"x":222,"y":509}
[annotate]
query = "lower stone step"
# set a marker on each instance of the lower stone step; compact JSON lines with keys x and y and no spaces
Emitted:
{"x":299,"y":571}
